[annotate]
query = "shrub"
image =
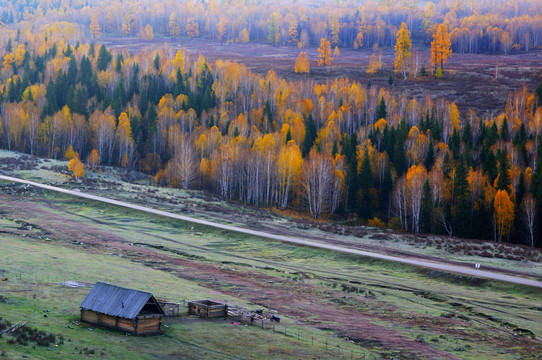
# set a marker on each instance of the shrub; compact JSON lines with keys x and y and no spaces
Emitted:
{"x":377,"y":223}
{"x":395,"y":224}
{"x":486,"y":253}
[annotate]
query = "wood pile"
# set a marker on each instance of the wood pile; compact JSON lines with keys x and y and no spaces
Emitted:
{"x":250,"y":317}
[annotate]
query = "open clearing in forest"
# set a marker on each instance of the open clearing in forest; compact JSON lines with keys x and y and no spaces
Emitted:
{"x":384,"y":309}
{"x":469,"y":78}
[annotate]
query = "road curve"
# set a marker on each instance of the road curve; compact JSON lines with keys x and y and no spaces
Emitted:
{"x":426,"y":264}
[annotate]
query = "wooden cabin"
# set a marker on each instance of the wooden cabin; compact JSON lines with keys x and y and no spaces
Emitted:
{"x":118,"y":308}
{"x":207,"y":308}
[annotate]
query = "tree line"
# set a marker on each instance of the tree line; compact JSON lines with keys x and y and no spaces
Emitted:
{"x":475,"y":26}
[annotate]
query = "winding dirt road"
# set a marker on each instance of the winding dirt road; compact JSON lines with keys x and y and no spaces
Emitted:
{"x":426,"y":264}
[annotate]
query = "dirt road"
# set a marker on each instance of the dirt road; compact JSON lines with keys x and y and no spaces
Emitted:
{"x":421,"y":263}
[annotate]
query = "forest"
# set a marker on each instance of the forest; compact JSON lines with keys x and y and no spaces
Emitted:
{"x":336,"y":149}
{"x":475,"y":25}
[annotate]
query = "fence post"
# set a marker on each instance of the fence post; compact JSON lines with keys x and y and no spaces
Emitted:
{"x":326,"y":344}
{"x":312,"y":339}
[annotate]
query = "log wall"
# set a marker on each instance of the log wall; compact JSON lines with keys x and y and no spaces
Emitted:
{"x":148,"y":326}
{"x":142,"y":325}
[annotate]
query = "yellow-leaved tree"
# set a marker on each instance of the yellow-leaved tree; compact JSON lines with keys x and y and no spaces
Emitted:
{"x":335,"y":29}
{"x":9,"y":60}
{"x":124,"y":140}
{"x":244,"y":36}
{"x":173,"y":26}
{"x":178,"y":62}
{"x":402,"y":50}
{"x":95,"y":28}
{"x":221,"y":28}
{"x":148,"y":33}
{"x":289,"y":164}
{"x":415,"y":179}
{"x":504,"y":214}
{"x":128,"y":24}
{"x":20,"y":53}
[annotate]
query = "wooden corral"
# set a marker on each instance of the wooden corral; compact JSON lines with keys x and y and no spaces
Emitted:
{"x":169,"y":308}
{"x":207,"y":308}
{"x":118,"y":308}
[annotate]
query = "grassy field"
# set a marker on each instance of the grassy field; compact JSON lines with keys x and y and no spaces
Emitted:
{"x":36,"y":269}
{"x":360,"y":307}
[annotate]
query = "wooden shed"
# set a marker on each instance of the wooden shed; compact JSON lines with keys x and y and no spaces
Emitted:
{"x":122,"y":309}
{"x":169,"y":308}
{"x":207,"y":308}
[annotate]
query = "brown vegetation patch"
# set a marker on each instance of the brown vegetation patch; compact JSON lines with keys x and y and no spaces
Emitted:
{"x":469,"y":79}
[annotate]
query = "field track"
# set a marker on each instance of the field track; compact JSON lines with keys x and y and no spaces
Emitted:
{"x":298,"y":241}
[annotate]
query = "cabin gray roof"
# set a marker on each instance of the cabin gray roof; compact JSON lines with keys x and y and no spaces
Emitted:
{"x":115,"y":300}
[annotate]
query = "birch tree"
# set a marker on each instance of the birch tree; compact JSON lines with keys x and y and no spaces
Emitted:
{"x":316,"y":182}
{"x":528,"y":215}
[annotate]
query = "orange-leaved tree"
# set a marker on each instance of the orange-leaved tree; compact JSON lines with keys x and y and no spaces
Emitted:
{"x":94,"y":158}
{"x":375,"y":64}
{"x":244,"y":36}
{"x":324,"y":53}
{"x":441,"y":47}
{"x":69,"y":153}
{"x":302,"y":65}
{"x":358,"y":42}
{"x":292,"y":29}
{"x":192,"y":28}
{"x":76,"y":167}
